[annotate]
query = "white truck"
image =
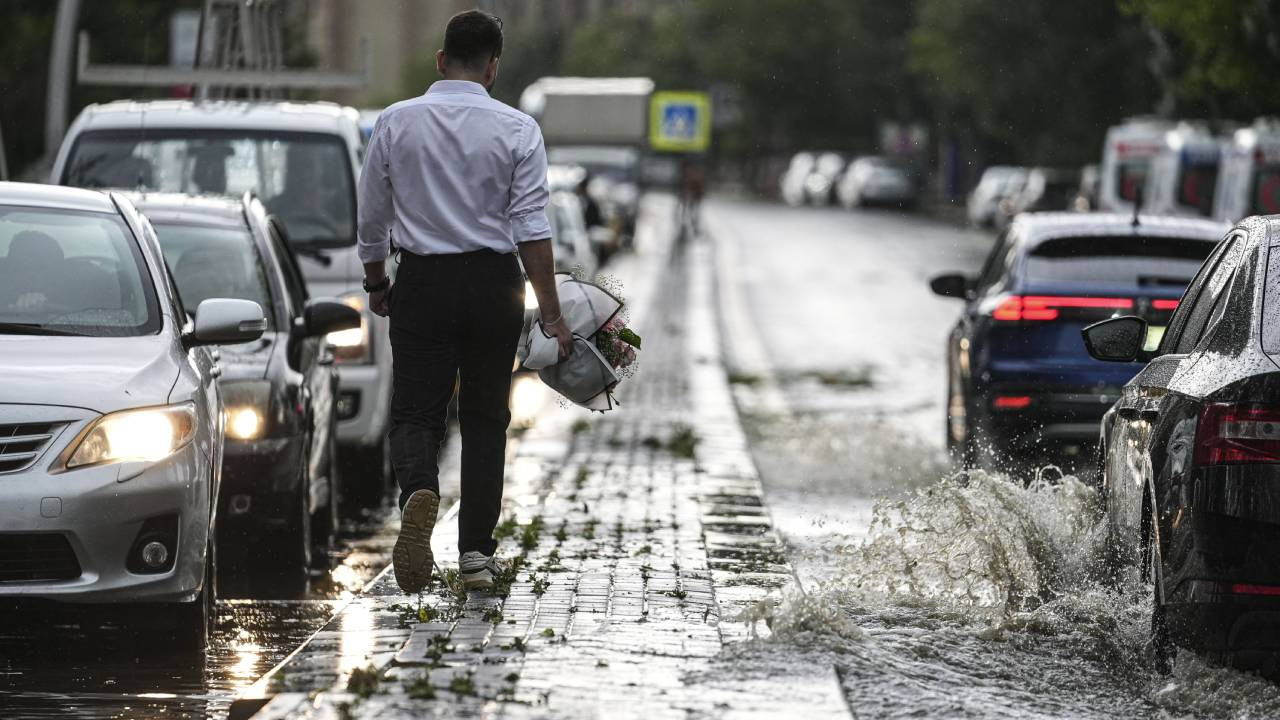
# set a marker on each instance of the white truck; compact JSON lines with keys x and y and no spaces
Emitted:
{"x":1184,"y":172}
{"x":602,"y":126}
{"x":303,"y":161}
{"x":1127,"y":154}
{"x":1249,"y":183}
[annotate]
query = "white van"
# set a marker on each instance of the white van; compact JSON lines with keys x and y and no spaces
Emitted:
{"x":1249,"y":183}
{"x":302,"y":160}
{"x":1184,"y":173}
{"x":1126,"y":160}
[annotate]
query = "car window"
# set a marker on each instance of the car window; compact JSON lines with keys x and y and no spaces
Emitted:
{"x":1197,"y":178}
{"x":1179,"y":319}
{"x":1131,"y":177}
{"x":294,"y":284}
{"x":1265,"y":195}
{"x":215,"y":262}
{"x":1271,"y":303}
{"x":1127,"y":259}
{"x":993,"y":269}
{"x":1204,"y":304}
{"x":304,"y":178}
{"x":74,"y":272}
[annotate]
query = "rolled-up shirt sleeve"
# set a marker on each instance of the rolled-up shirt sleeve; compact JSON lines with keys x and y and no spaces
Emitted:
{"x":375,"y":210}
{"x":529,"y":191}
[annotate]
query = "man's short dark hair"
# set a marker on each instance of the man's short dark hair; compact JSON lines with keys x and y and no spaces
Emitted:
{"x":473,"y":38}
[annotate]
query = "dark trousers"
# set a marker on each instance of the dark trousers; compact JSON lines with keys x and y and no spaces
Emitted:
{"x":455,"y":319}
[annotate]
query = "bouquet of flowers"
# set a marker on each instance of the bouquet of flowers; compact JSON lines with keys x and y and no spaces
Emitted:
{"x":604,"y":348}
{"x":618,"y":343}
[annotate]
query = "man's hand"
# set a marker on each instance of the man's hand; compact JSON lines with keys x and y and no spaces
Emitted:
{"x":380,"y":302}
{"x":560,"y":331}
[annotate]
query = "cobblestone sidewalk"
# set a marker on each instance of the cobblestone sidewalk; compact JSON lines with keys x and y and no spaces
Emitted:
{"x":638,"y":539}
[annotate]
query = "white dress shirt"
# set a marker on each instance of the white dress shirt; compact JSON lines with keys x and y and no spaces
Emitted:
{"x":452,"y":171}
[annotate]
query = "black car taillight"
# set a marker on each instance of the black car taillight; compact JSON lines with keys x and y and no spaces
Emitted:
{"x":1237,"y":434}
{"x":1022,"y":308}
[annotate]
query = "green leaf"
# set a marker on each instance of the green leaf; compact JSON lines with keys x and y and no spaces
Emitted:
{"x":629,"y":337}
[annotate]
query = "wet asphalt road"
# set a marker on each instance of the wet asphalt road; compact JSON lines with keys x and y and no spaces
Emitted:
{"x":931,"y":597}
{"x":60,"y":661}
{"x":836,"y":345}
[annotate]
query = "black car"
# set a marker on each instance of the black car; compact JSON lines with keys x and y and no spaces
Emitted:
{"x":1190,"y":462}
{"x":1020,"y":387}
{"x":280,"y":483}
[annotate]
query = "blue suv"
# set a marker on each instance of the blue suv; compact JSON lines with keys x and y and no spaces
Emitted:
{"x":1020,"y":385}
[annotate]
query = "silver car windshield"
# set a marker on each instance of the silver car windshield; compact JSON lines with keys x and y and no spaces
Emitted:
{"x":72,"y":273}
{"x":215,"y":262}
{"x":303,"y":178}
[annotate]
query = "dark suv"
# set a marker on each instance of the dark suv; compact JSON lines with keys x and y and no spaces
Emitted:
{"x":1019,"y":384}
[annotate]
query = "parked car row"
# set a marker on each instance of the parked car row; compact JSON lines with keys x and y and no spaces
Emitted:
{"x":1006,"y":191}
{"x":825,"y":178}
{"x":301,"y":160}
{"x":124,"y":371}
{"x":194,"y":399}
{"x":1162,"y":167}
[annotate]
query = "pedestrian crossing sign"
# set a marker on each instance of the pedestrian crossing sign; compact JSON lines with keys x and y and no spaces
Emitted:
{"x":680,"y":122}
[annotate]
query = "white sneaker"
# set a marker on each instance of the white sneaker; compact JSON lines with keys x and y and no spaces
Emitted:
{"x":478,"y":570}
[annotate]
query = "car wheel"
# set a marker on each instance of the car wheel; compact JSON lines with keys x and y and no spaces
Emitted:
{"x":366,"y":472}
{"x":194,"y":621}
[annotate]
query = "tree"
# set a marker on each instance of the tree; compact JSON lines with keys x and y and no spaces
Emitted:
{"x":1043,"y":78}
{"x":1225,"y":54}
{"x":123,"y":31}
{"x":818,"y":74}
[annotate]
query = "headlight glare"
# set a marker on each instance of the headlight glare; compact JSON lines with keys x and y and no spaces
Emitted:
{"x":245,"y":423}
{"x":145,"y":435}
{"x":352,"y":344}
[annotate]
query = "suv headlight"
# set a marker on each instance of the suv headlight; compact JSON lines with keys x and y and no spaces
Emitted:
{"x":146,"y":435}
{"x":352,"y":346}
{"x":247,"y":408}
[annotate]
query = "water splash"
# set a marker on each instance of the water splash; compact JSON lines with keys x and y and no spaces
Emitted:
{"x":984,"y":597}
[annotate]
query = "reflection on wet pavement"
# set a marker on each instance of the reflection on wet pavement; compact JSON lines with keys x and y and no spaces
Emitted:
{"x":75,"y":661}
{"x":933,"y":596}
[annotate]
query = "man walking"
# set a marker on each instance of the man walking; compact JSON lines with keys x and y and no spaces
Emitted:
{"x":459,"y":182}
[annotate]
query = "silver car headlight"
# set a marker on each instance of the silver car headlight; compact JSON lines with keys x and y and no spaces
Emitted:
{"x":144,"y":435}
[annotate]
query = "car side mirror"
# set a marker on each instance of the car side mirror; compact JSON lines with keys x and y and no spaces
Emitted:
{"x":1116,"y":340}
{"x":951,"y":285}
{"x":226,"y":321}
{"x":322,"y":316}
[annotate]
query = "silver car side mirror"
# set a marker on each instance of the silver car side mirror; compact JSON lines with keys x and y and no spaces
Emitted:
{"x":224,"y":321}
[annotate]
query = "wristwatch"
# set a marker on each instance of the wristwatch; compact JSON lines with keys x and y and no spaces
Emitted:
{"x":382,"y":284}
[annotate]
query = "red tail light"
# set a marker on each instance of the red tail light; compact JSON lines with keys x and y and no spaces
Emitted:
{"x":1045,"y":307}
{"x":1247,"y":589}
{"x":1164,"y":304}
{"x":1012,"y":402}
{"x":1230,"y":434}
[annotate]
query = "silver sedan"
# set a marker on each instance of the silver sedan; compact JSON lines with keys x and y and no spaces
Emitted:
{"x":111,"y":425}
